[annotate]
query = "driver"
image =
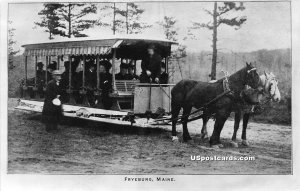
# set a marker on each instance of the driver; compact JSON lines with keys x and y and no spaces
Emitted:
{"x":151,"y":66}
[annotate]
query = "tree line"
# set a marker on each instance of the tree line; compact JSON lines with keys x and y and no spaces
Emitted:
{"x":73,"y":20}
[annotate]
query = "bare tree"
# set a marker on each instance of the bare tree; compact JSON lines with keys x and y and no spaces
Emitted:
{"x":219,"y":14}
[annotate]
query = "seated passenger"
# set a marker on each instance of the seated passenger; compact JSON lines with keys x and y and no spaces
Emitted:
{"x":164,"y":77}
{"x":90,"y":75}
{"x":105,"y":85}
{"x":40,"y":73}
{"x":64,"y":82}
{"x":40,"y":78}
{"x":122,"y":75}
{"x":106,"y":64}
{"x":65,"y":76}
{"x":131,"y":75}
{"x":51,"y":67}
{"x":91,"y":82}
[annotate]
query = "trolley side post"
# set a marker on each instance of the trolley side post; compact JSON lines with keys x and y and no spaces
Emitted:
{"x":71,"y":98}
{"x":114,"y":70}
{"x":98,"y":72}
{"x":46,"y":77}
{"x":58,"y":62}
{"x":35,"y":70}
{"x":83,"y":72}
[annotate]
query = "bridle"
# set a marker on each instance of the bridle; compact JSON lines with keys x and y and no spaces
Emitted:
{"x":247,"y":76}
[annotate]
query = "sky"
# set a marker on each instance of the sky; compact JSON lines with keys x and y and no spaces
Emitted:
{"x":267,"y":26}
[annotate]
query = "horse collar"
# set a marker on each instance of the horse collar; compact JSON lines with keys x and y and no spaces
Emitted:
{"x":226,"y":83}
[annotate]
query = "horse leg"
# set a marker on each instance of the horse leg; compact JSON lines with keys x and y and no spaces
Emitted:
{"x":175,"y":112}
{"x":204,"y":133}
{"x":221,"y":117}
{"x":186,"y":112}
{"x":237,"y":119}
{"x":245,"y":124}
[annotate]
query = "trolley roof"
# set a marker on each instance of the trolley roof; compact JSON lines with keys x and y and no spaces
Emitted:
{"x":127,"y":47}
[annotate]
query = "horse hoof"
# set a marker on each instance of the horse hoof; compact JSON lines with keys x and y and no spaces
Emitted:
{"x":220,"y":145}
{"x":175,"y":139}
{"x":245,"y":143}
{"x":234,"y":144}
{"x":204,"y":136}
{"x":215,"y":146}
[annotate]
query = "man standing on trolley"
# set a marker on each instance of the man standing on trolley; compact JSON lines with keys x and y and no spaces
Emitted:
{"x":151,"y":66}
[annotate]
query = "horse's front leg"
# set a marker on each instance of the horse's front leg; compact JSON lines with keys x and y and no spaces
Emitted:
{"x":186,"y":111}
{"x":237,"y":119}
{"x":204,"y":134}
{"x":175,"y":113}
{"x":245,"y":124}
{"x":221,"y":117}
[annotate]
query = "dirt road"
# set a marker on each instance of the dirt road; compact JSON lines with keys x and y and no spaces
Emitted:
{"x":82,"y":147}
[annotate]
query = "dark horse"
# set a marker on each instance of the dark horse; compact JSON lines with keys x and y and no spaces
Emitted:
{"x":189,"y":93}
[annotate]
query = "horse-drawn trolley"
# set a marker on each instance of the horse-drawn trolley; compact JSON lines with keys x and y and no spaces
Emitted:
{"x":125,"y":102}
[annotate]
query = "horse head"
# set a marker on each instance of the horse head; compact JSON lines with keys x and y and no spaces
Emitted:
{"x":252,"y":77}
{"x":271,"y":86}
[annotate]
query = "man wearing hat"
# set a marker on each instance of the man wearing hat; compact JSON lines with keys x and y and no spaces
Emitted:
{"x":52,"y":109}
{"x":91,"y":82}
{"x":131,"y":75}
{"x":105,"y":83}
{"x":51,"y":67}
{"x":151,"y":66}
{"x":122,"y":75}
{"x":40,"y":77}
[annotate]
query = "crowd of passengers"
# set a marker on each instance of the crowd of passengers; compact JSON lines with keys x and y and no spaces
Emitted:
{"x":153,"y":71}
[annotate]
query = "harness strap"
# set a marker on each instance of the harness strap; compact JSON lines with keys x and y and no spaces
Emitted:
{"x":226,"y":82}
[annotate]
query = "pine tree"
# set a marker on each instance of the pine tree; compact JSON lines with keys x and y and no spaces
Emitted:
{"x":170,"y":32}
{"x":75,"y":21}
{"x":169,"y":28}
{"x":50,"y":20}
{"x":133,"y":16}
{"x":11,"y":42}
{"x":219,"y":17}
{"x":126,"y":20}
{"x":67,"y":19}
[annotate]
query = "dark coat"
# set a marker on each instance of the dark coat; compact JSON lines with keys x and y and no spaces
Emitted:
{"x":40,"y":77}
{"x":51,"y":112}
{"x":90,"y":79}
{"x":106,"y":86}
{"x":153,"y":64}
{"x":132,"y":76}
{"x":163,"y":79}
{"x":119,"y":76}
{"x":105,"y":82}
{"x":49,"y":76}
